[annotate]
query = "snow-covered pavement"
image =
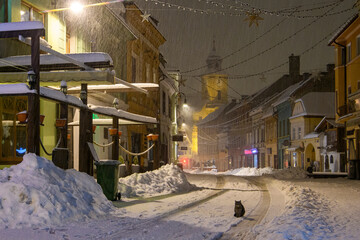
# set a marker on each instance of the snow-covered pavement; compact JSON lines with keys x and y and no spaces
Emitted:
{"x":40,"y":201}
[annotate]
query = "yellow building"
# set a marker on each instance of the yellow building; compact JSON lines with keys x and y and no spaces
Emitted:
{"x":214,"y":93}
{"x":143,"y":58}
{"x":307,"y":113}
{"x":347,"y":83}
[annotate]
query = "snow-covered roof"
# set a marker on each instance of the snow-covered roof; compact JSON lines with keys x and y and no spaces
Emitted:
{"x":110,"y":111}
{"x":343,"y":28}
{"x":330,"y":121}
{"x":311,"y":135}
{"x":52,"y":62}
{"x":285,"y":95}
{"x":23,"y":89}
{"x":318,"y":104}
{"x":113,"y":87}
{"x":24,"y":27}
{"x":212,"y":116}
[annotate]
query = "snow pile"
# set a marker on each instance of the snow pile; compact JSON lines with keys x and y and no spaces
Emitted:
{"x":167,"y":179}
{"x":250,"y":171}
{"x":290,"y":173}
{"x":306,"y":215}
{"x":36,"y":192}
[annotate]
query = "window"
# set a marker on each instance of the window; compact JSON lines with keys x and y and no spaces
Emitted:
{"x":293,"y":133}
{"x":148,"y":75}
{"x":29,"y":13}
{"x":358,"y":46}
{"x":299,"y":133}
{"x":164,"y":102}
{"x":219,"y":95}
{"x":358,"y":84}
{"x":133,"y":69}
{"x":169,"y":107}
{"x":349,"y":89}
{"x":348,"y":52}
{"x":154,"y":75}
{"x":343,"y":56}
{"x":13,"y":139}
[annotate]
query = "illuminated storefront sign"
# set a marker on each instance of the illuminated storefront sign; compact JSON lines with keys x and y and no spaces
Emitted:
{"x":251,"y":151}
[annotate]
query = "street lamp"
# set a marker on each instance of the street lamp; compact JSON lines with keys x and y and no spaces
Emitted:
{"x":76,"y":7}
{"x":116,"y":103}
{"x":63,"y":87}
{"x":31,"y":79}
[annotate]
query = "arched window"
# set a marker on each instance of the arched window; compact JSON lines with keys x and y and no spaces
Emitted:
{"x":331,"y":159}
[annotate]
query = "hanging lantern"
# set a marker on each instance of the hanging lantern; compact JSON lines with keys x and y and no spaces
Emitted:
{"x":119,"y":133}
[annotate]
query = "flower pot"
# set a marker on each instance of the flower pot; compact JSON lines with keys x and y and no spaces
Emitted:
{"x":22,"y":116}
{"x":113,"y":131}
{"x":42,"y":117}
{"x":60,"y":122}
{"x":155,"y":137}
{"x":149,"y":136}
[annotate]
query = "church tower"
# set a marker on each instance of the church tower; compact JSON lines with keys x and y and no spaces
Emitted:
{"x":214,"y":81}
{"x":214,"y":92}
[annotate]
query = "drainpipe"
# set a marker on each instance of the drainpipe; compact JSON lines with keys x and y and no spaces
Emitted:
{"x":345,"y":94}
{"x":6,"y":11}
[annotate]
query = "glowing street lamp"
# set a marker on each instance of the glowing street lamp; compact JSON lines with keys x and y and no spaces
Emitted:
{"x":76,"y":7}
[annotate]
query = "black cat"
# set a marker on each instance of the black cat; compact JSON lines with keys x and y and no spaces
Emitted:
{"x":239,"y":209}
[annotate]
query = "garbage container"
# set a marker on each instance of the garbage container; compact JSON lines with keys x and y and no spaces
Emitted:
{"x":352,"y":169}
{"x":108,"y":176}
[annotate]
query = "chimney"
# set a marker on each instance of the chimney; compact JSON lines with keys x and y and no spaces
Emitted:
{"x":294,"y":67}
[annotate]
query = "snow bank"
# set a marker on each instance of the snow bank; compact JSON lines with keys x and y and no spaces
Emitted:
{"x":290,"y":173}
{"x":165,"y":180}
{"x":306,"y":215}
{"x":250,"y":171}
{"x":37,"y":193}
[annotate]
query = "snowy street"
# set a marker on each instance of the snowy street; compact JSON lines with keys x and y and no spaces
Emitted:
{"x":282,"y":204}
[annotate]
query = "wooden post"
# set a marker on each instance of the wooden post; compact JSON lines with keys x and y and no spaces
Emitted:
{"x":115,"y":146}
{"x":33,"y":129}
{"x":85,"y":135}
{"x":63,"y":131}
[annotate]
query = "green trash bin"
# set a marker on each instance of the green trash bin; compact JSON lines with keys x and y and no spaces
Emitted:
{"x":108,"y":176}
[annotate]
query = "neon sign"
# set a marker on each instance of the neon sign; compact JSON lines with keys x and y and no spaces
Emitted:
{"x":251,"y":151}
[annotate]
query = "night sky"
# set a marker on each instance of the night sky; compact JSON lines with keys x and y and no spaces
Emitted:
{"x":247,"y":50}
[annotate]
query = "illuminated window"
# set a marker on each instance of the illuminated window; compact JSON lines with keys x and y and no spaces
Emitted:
{"x":13,"y":139}
{"x":29,"y":13}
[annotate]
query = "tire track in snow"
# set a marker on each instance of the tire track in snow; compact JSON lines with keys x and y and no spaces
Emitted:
{"x":243,"y":230}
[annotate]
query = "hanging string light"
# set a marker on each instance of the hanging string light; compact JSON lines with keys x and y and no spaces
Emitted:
{"x":244,"y":8}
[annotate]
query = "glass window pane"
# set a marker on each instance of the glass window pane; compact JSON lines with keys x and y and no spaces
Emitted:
{"x":37,"y":16}
{"x":7,"y":134}
{"x":25,"y":13}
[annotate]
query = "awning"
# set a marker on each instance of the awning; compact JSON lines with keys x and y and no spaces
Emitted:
{"x":107,"y":122}
{"x":124,"y":115}
{"x":23,"y":89}
{"x":114,"y":88}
